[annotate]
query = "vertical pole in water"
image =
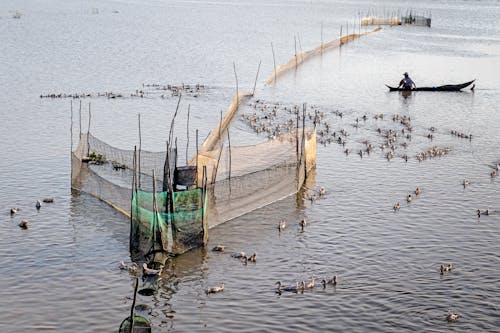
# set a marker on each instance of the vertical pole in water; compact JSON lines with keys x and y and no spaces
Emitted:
{"x":197,"y":158}
{"x":134,"y":191}
{"x":155,"y":211}
{"x":256,"y":77}
{"x":300,"y":48}
{"x":295,"y":40}
{"x":139,"y":154}
{"x":340,"y":39}
{"x":347,"y":31}
{"x":187,"y":134}
{"x":237,"y":93}
{"x":133,"y":306}
{"x":321,"y":37}
{"x":274,"y":61}
{"x":303,"y":144}
{"x":71,"y":131}
{"x":88,"y":132}
{"x":80,"y":121}
{"x":297,"y":137}
{"x":229,"y":144}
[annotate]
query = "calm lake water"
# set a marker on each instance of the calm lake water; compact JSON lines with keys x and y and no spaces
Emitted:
{"x":61,"y":274}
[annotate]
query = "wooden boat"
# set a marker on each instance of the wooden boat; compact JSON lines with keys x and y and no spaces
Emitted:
{"x":448,"y":87}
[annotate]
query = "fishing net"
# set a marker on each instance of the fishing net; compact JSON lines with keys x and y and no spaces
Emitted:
{"x":221,"y":183}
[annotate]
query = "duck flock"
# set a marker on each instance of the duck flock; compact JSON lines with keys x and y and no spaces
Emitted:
{"x":25,"y":223}
{"x":148,"y":90}
{"x":275,"y":119}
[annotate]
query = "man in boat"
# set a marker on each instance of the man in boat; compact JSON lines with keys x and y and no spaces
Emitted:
{"x":407,"y":83}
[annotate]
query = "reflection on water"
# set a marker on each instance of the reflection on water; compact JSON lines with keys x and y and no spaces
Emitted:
{"x":62,"y":272}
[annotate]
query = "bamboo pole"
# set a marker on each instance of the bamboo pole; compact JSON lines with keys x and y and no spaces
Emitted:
{"x":300,"y":48}
{"x":256,"y":77}
{"x":133,"y":305}
{"x":71,"y":130}
{"x":295,"y":39}
{"x":229,"y":145}
{"x":236,"y":78}
{"x":274,"y":60}
{"x":187,"y":134}
{"x":321,"y":36}
{"x":134,"y":191}
{"x":80,"y":121}
{"x":139,"y":153}
{"x":88,"y":132}
{"x":197,"y":152}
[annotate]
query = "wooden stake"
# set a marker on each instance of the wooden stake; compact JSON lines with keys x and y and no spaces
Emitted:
{"x":295,"y":39}
{"x":274,"y":60}
{"x":88,"y":133}
{"x":80,"y":122}
{"x":187,"y":134}
{"x":321,"y":36}
{"x":139,"y":153}
{"x":236,"y":78}
{"x":256,"y":77}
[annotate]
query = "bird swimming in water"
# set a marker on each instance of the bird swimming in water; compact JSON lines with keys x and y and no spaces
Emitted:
{"x":282,"y":225}
{"x":131,"y":268}
{"x":13,"y":211}
{"x":253,"y":258}
{"x":23,"y":224}
{"x":239,"y":255}
{"x":465,"y":182}
{"x":310,"y":284}
{"x":418,"y":191}
{"x":303,"y":223}
{"x":409,"y":198}
{"x":333,"y":281}
{"x":149,"y":271}
{"x":446,"y":268}
{"x":38,"y":204}
{"x":216,"y":289}
{"x":218,"y":248}
{"x":397,"y":206}
{"x":48,"y":200}
{"x":294,"y":288}
{"x":451,"y":316}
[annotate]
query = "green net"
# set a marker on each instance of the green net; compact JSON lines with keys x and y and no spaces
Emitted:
{"x":178,"y":225}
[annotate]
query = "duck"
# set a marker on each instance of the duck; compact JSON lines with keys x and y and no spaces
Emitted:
{"x":465,"y":182}
{"x":216,"y":289}
{"x":302,"y":224}
{"x":38,"y":204}
{"x":253,"y":258}
{"x":23,"y":224}
{"x":397,"y":206}
{"x":239,"y":255}
{"x":282,"y":225}
{"x":149,"y":271}
{"x":219,"y":248}
{"x":310,"y":284}
{"x":14,"y":210}
{"x":451,"y":316}
{"x":322,"y":191}
{"x":493,"y":173}
{"x":333,"y":281}
{"x":446,"y":268}
{"x":131,"y":268}
{"x":48,"y":200}
{"x":409,"y":198}
{"x":418,"y":191}
{"x":293,"y":288}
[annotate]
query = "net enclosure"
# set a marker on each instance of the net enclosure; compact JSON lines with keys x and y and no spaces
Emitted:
{"x":172,"y":207}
